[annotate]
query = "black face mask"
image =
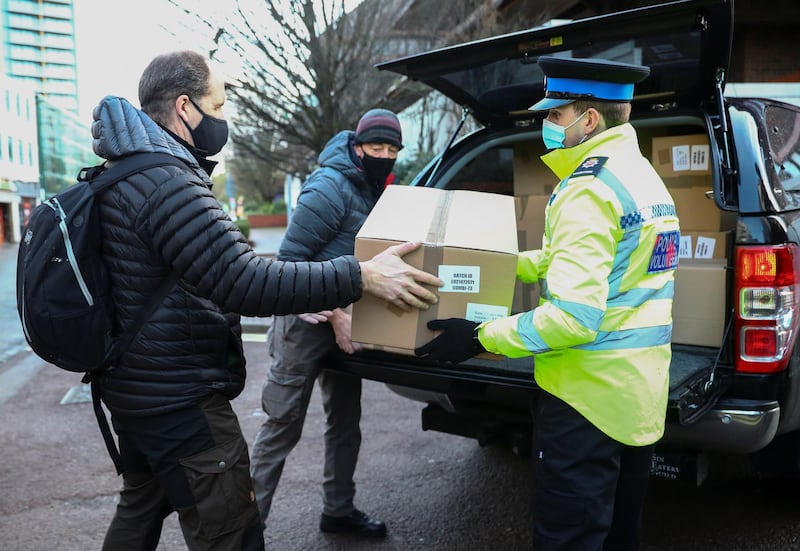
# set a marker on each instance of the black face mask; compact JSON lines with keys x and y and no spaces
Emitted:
{"x":210,"y":135}
{"x":377,"y":168}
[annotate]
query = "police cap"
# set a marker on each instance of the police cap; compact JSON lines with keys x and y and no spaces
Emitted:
{"x":569,"y":79}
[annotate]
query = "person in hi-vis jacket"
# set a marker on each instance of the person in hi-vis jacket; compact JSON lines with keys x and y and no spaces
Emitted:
{"x":601,"y":333}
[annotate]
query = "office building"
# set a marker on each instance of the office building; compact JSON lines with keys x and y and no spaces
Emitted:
{"x":42,"y":142}
{"x":38,"y":46}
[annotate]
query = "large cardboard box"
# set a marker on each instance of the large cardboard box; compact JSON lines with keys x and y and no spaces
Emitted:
{"x":530,"y":220}
{"x":531,"y":175}
{"x":698,"y":309}
{"x":526,"y":297}
{"x":696,"y":211}
{"x":681,"y":155}
{"x":530,"y":228}
{"x":469,"y":240}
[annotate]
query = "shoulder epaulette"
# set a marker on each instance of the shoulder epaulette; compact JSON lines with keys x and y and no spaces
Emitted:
{"x":589,"y":167}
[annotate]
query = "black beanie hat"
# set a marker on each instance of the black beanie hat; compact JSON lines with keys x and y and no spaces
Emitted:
{"x":379,"y":126}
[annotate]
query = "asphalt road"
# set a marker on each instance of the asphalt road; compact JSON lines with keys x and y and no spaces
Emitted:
{"x":435,"y":491}
{"x":58,"y":488}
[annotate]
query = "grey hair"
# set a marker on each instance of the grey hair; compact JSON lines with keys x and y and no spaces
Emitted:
{"x":169,"y":76}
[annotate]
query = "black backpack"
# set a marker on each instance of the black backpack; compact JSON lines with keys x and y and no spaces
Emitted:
{"x":63,"y":285}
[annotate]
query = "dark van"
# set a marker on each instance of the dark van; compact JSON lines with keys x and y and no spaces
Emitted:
{"x":733,"y":168}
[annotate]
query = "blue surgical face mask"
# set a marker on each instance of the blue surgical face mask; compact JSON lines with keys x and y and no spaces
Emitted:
{"x":553,"y":135}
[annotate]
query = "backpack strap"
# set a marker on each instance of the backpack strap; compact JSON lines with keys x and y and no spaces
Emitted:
{"x":117,"y":349}
{"x":101,"y":178}
{"x":102,"y":422}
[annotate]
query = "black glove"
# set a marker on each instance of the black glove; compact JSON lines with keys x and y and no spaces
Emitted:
{"x":458,"y":341}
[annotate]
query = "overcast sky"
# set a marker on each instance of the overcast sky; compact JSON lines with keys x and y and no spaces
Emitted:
{"x":115,"y":40}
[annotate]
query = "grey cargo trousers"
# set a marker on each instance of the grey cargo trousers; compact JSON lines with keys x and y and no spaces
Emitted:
{"x":299,"y":351}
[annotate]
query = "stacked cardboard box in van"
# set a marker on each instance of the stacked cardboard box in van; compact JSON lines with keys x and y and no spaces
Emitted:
{"x":698,"y":311}
{"x":533,"y":184}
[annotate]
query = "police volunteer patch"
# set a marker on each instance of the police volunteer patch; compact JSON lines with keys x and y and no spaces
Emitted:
{"x":665,"y":252}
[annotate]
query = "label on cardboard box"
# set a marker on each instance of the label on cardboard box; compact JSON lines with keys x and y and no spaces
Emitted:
{"x":704,"y":249}
{"x":460,"y":279}
{"x":485,"y":312}
{"x":704,"y":245}
{"x":684,"y":156}
{"x":685,"y":249}
{"x":689,"y":157}
{"x":699,"y":154}
{"x":680,"y":158}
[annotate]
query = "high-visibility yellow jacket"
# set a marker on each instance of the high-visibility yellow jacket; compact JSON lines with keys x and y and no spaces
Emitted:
{"x":601,"y":333}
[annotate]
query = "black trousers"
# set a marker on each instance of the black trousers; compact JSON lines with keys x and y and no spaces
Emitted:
{"x":589,"y":489}
{"x":193,"y":461}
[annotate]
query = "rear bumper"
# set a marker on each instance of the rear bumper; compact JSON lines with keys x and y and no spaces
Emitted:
{"x":732,"y":426}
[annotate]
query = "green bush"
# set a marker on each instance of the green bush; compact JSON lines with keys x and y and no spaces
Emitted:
{"x":276,"y":207}
{"x":279,"y":207}
{"x":244,"y":227}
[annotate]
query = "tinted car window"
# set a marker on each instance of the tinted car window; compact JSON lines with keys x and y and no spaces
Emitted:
{"x":783,"y":133}
{"x":491,"y":170}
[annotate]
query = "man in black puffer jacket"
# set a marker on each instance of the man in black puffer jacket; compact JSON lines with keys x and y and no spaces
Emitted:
{"x":332,"y":206}
{"x":169,"y":395}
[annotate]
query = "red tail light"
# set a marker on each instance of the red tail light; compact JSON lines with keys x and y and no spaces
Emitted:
{"x":766,"y":317}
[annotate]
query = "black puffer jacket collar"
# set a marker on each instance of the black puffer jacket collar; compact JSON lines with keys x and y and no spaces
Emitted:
{"x":119,"y":129}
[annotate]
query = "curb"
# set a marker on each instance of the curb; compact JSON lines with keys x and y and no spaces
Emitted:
{"x":255,"y":325}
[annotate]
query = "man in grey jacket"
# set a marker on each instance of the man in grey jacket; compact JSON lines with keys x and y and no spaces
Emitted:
{"x":332,"y":206}
{"x":169,"y":395}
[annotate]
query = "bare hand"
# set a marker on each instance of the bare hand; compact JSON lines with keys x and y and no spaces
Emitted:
{"x":341,"y":321}
{"x":388,"y":277}
{"x":316,"y":317}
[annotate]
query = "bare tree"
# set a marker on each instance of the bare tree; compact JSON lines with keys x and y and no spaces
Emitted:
{"x":305,"y":73}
